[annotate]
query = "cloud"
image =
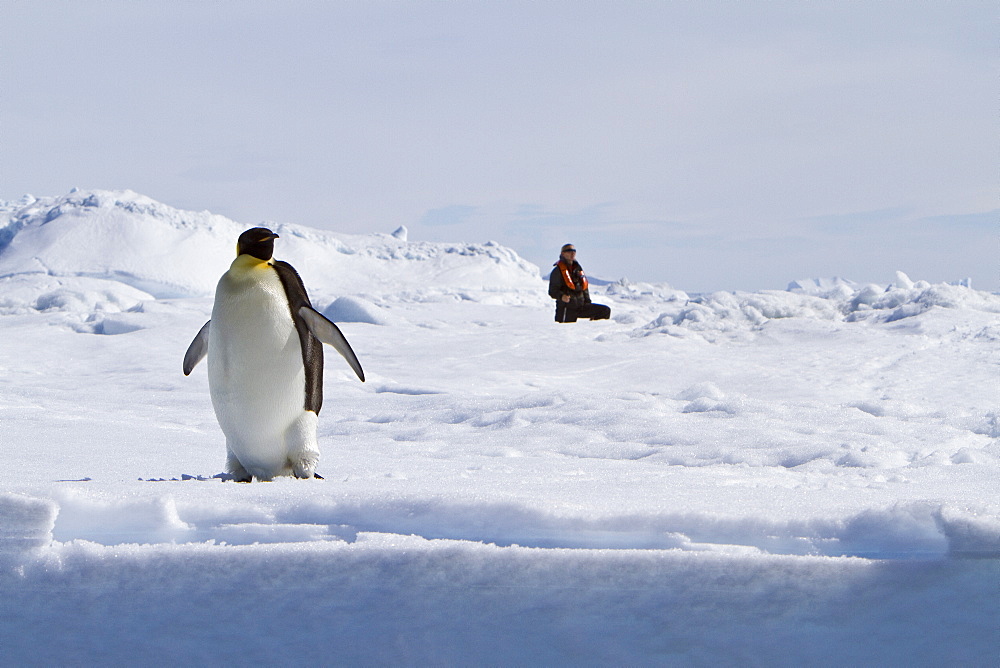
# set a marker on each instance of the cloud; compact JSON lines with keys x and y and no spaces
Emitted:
{"x":455,"y":214}
{"x":962,"y":222}
{"x":843,"y":224}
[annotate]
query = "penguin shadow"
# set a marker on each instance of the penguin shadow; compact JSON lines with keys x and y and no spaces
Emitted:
{"x":224,"y":477}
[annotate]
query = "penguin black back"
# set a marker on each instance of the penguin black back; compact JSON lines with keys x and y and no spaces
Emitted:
{"x":312,"y":349}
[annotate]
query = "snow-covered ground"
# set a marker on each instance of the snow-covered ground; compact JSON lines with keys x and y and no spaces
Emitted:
{"x":798,"y":477}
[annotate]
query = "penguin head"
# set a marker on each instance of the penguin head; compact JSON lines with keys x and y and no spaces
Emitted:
{"x":256,"y":242}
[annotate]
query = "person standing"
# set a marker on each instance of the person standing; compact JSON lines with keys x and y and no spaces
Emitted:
{"x":568,"y":286}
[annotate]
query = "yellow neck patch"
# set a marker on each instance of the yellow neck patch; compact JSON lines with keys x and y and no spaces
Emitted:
{"x":249,"y":263}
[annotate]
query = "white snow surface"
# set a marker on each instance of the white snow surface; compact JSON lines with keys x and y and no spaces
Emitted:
{"x":798,"y":477}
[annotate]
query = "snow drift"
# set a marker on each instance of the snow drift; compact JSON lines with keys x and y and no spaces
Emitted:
{"x":126,"y":238}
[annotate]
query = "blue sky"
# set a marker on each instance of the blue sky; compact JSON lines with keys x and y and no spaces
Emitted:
{"x":711,"y":145}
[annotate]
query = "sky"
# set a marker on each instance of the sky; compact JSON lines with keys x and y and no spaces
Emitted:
{"x":712,"y":145}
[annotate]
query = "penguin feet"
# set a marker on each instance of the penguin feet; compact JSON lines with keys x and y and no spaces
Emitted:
{"x":235,"y":469}
{"x":305,"y":465}
{"x":300,"y":441}
{"x":305,"y":472}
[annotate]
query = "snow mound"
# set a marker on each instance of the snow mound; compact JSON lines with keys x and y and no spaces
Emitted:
{"x":878,"y":304}
{"x":824,"y":287}
{"x":129,"y":239}
{"x":27,"y":293}
{"x":356,"y":309}
{"x":118,"y":236}
{"x":834,"y":300}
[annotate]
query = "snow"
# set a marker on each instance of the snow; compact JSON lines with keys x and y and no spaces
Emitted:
{"x":807,"y":476}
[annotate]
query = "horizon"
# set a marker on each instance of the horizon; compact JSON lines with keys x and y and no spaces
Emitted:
{"x":721,"y":146}
{"x":85,"y":200}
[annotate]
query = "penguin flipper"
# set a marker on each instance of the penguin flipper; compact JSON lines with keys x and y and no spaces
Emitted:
{"x":330,"y":334}
{"x":197,"y":350}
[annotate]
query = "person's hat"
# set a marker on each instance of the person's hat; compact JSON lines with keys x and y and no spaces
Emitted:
{"x":568,"y":247}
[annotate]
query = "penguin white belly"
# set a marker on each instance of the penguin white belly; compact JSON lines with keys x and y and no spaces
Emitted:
{"x":255,"y":372}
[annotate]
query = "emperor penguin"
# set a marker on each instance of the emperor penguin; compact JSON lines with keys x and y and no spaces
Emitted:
{"x":265,"y":363}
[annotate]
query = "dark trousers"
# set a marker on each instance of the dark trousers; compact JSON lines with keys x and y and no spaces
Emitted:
{"x":572,"y":311}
